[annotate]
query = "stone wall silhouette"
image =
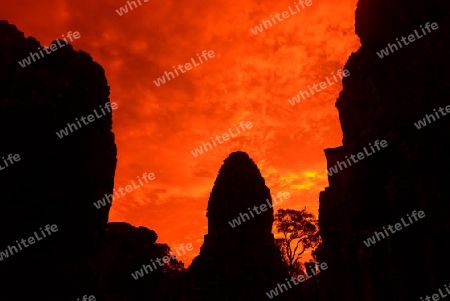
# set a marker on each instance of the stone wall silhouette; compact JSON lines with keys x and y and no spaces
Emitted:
{"x":381,"y":100}
{"x":57,"y":180}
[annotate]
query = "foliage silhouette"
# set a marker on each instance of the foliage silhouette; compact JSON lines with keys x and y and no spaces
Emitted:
{"x":299,"y":229}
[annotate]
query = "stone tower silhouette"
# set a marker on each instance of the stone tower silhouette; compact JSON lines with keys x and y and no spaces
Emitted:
{"x":241,"y":262}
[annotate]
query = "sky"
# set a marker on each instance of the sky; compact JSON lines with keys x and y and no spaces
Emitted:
{"x":249,"y":78}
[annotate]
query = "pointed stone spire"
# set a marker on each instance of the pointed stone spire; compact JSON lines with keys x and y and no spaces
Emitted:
{"x":239,"y":262}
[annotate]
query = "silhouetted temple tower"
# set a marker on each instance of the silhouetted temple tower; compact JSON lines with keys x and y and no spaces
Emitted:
{"x":240,"y":262}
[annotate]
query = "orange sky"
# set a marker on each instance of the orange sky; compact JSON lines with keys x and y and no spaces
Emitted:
{"x":250,"y":78}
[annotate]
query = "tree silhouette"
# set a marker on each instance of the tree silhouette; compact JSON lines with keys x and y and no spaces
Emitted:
{"x":300,"y":230}
{"x":172,"y":283}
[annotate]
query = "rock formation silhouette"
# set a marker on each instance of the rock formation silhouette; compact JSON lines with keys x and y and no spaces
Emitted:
{"x":240,"y":263}
{"x":124,"y":250}
{"x":381,"y":99}
{"x":57,"y":180}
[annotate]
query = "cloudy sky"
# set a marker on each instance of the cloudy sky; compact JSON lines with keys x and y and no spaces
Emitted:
{"x":250,"y":78}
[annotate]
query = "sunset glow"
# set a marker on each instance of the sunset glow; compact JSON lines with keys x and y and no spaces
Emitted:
{"x":251,"y":78}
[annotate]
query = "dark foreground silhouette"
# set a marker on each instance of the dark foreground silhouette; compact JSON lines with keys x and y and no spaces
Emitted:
{"x":56,"y":181}
{"x":381,"y":100}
